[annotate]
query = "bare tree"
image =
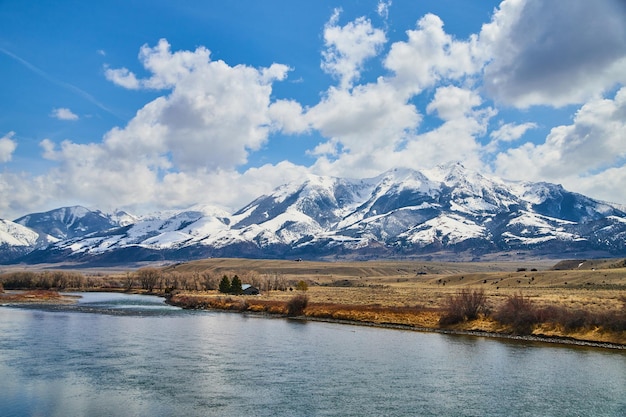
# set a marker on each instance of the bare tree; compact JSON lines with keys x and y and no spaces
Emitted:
{"x":149,"y":277}
{"x":129,"y":281}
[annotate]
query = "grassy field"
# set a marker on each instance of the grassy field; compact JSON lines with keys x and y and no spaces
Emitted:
{"x":578,"y":299}
{"x":417,"y":293}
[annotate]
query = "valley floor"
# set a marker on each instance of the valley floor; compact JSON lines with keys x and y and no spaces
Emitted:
{"x":416,"y":295}
{"x":589,"y":297}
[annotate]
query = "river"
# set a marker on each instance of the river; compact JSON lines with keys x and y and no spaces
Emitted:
{"x":131,"y":355}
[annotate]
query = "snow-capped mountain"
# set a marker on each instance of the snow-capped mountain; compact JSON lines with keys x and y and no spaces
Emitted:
{"x":446,"y":210}
{"x":70,"y":222}
{"x":17,"y":240}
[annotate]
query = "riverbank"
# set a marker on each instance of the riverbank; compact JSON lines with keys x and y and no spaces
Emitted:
{"x":401,"y":318}
{"x":570,"y":300}
{"x":36,"y":297}
{"x":415,"y":318}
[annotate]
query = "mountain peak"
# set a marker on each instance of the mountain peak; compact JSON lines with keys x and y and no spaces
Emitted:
{"x":402,"y":212}
{"x":67,"y":222}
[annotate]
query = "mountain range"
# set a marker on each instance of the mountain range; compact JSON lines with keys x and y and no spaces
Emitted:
{"x":448,"y":212}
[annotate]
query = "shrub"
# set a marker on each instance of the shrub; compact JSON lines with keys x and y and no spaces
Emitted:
{"x":575,"y":319}
{"x":297,"y":304}
{"x":243,"y":305}
{"x":302,"y":286}
{"x":518,"y":312}
{"x":613,"y":321}
{"x":465,"y":305}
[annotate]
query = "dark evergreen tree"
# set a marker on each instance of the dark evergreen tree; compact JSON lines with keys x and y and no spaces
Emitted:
{"x":225,"y":285}
{"x":235,"y":285}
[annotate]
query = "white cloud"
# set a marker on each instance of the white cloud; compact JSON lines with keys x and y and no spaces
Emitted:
{"x":510,"y":132}
{"x":287,"y":116}
{"x":457,"y":138}
{"x":383,"y":8}
{"x":373,"y":127}
{"x":429,"y":56}
{"x":26,"y":193}
{"x":348,"y":47}
{"x":452,"y":102}
{"x":589,"y":149}
{"x":180,"y":148}
{"x":368,"y":117}
{"x":554,"y":52}
{"x":7,"y":147}
{"x":213,"y":117}
{"x":122,"y":77}
{"x":63,"y":113}
{"x":372,"y":151}
{"x":185,"y":146}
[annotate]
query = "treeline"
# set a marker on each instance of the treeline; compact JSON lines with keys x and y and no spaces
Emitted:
{"x":522,"y":316}
{"x":152,"y":279}
{"x":148,"y":279}
{"x":60,"y":280}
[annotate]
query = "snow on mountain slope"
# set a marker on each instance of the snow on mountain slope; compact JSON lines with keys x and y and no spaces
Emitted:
{"x":14,"y":234}
{"x":161,"y":230}
{"x":322,"y":199}
{"x":400,"y":211}
{"x":67,"y":222}
{"x":444,"y":230}
{"x":532,"y":228}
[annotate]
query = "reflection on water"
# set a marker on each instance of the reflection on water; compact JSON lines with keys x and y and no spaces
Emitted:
{"x":144,"y":358}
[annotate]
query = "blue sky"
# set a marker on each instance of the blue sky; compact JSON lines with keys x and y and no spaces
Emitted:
{"x":155,"y":105}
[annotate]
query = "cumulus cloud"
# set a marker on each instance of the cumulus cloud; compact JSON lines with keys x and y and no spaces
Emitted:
{"x":63,"y":113}
{"x":122,"y":77}
{"x":214,"y":115}
{"x":26,"y":192}
{"x":554,"y":53}
{"x":452,"y":102}
{"x":204,"y":126}
{"x":187,"y":145}
{"x":369,"y":116}
{"x":380,"y":118}
{"x":379,"y":147}
{"x":430,"y":55}
{"x":288,"y":117}
{"x":591,"y":147}
{"x":465,"y":120}
{"x":510,"y":132}
{"x":348,"y":47}
{"x":7,"y":147}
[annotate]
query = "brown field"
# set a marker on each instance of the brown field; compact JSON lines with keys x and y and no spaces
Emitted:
{"x":414,"y":293}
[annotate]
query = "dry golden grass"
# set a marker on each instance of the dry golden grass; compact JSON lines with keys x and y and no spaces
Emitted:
{"x":36,"y":296}
{"x":407,"y":293}
{"x":414,"y":293}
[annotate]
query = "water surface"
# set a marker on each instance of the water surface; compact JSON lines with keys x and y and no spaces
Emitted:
{"x":125,"y":355}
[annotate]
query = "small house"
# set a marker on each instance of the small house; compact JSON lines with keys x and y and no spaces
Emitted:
{"x":247,"y":289}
